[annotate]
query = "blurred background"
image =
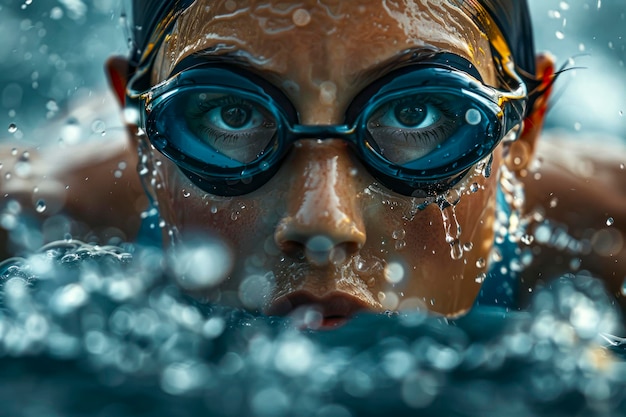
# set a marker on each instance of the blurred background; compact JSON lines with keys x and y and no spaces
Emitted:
{"x":52,"y":54}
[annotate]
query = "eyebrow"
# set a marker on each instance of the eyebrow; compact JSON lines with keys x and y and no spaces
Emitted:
{"x":364,"y":76}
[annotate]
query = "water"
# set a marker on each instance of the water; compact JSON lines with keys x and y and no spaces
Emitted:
{"x":104,"y":331}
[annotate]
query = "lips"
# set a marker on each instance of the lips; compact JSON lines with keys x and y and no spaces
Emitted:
{"x":330,"y":311}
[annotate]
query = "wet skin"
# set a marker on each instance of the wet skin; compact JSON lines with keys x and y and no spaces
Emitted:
{"x":322,"y":231}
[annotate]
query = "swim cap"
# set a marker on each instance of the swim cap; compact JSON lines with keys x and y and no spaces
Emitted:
{"x":144,"y":19}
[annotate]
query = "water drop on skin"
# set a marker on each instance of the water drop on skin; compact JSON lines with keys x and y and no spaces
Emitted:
{"x":452,"y":230}
{"x":301,"y":17}
{"x":480,"y":278}
{"x":12,"y":128}
{"x":610,"y":221}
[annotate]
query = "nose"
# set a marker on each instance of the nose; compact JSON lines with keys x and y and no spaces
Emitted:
{"x":323,"y":221}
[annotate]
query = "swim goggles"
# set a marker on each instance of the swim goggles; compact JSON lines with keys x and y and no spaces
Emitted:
{"x":418,"y":130}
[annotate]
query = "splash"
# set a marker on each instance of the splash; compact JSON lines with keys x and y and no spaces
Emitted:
{"x":452,"y":229}
{"x":81,"y":319}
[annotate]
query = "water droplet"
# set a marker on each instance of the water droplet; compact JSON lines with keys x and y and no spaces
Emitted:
{"x":610,"y":221}
{"x":481,"y":263}
{"x":12,"y":128}
{"x":554,"y":202}
{"x":527,"y":239}
{"x":474,"y":187}
{"x":621,"y":166}
{"x":394,"y":273}
{"x":480,"y":278}
{"x":574,"y":264}
{"x":40,"y":206}
{"x":301,"y":17}
{"x":451,"y":225}
{"x":456,"y":250}
{"x":496,"y":255}
{"x":468,"y":246}
{"x":473,"y":117}
{"x":57,"y":13}
{"x":398,"y":234}
{"x":400,"y":244}
{"x":14,"y":152}
{"x":559,"y":35}
{"x":186,"y":193}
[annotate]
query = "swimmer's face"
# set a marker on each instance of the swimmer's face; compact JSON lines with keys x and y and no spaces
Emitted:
{"x":322,"y":230}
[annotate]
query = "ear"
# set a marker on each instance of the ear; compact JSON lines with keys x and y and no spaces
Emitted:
{"x":118,"y":72}
{"x":521,"y":151}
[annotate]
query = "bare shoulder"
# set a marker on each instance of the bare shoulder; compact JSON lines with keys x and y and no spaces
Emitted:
{"x":91,"y":182}
{"x":576,"y":191}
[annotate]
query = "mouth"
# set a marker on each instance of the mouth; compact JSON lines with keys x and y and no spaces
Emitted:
{"x":321,"y":313}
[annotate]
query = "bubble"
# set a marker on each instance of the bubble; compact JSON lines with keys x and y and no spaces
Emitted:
{"x":56,"y":13}
{"x":12,"y":128}
{"x":200,"y":265}
{"x":318,"y":249}
{"x":180,"y":378}
{"x":398,"y":234}
{"x":527,"y":239}
{"x":301,"y":17}
{"x":69,"y":298}
{"x":254,"y":290}
{"x":480,"y":278}
{"x":230,"y":5}
{"x":610,"y":221}
{"x":394,"y":272}
{"x":473,"y":117}
{"x":554,"y":202}
{"x":271,"y":401}
{"x":40,"y":206}
{"x":295,"y":356}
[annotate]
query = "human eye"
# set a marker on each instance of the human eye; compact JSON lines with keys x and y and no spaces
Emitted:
{"x":408,"y":128}
{"x":235,"y":126}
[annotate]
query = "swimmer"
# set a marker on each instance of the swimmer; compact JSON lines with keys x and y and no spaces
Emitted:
{"x":350,"y":157}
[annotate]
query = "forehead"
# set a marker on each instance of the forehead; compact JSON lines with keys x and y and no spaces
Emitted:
{"x":319,"y":40}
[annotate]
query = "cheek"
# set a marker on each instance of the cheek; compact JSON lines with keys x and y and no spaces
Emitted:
{"x":442,"y":253}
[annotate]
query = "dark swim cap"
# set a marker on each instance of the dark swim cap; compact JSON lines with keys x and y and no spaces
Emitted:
{"x":144,"y":19}
{"x":512,"y":17}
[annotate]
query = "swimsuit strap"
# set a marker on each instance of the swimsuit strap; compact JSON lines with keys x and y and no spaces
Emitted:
{"x":150,"y":232}
{"x":500,"y":287}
